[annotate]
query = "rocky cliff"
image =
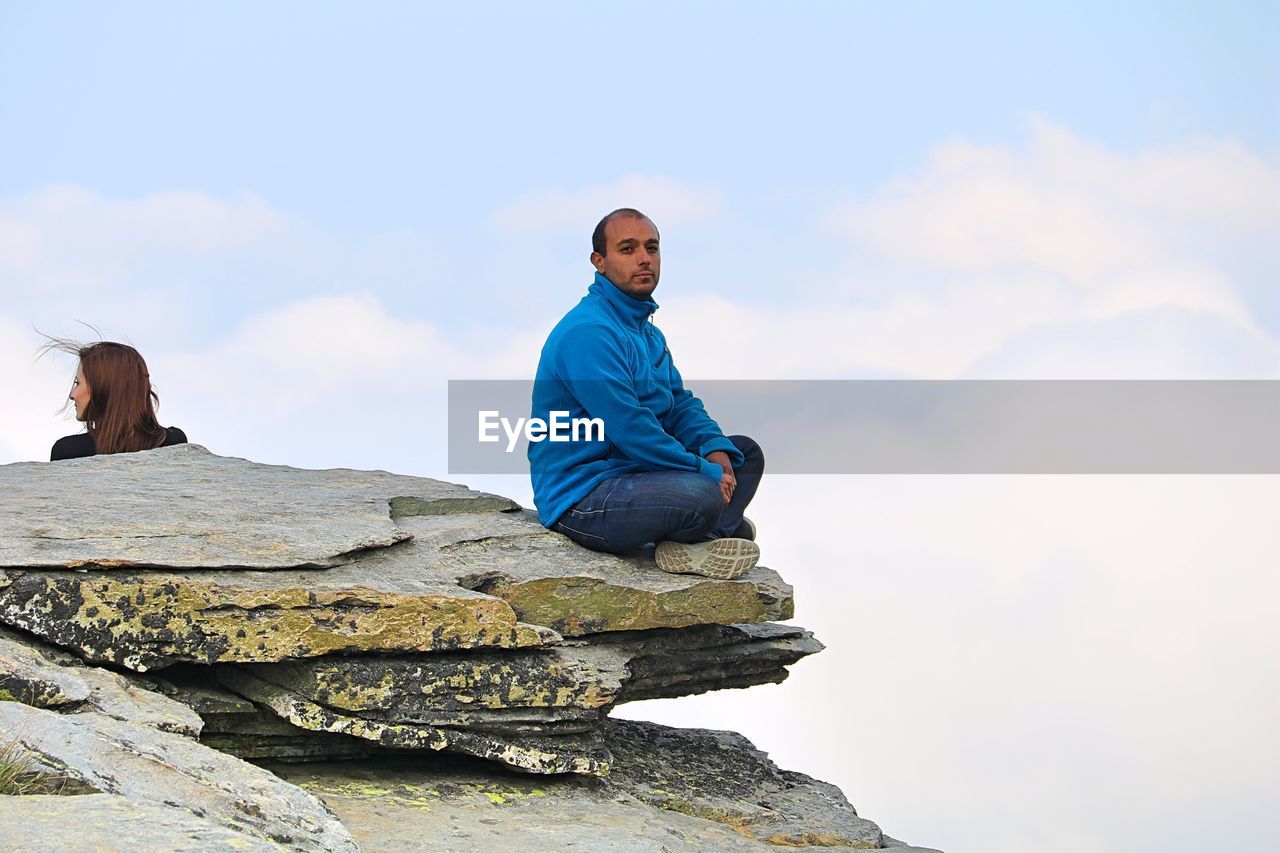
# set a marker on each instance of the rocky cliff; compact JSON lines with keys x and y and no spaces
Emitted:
{"x":208,"y":653}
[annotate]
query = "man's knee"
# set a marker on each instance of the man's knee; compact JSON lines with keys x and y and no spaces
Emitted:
{"x":702,"y":497}
{"x":700,"y":504}
{"x":752,"y":454}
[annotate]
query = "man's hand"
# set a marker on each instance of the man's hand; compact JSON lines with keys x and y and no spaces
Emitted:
{"x":728,"y":482}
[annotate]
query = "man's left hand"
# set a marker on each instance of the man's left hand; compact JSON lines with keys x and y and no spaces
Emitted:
{"x":728,"y":482}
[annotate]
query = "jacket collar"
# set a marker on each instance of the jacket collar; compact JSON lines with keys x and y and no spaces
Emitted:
{"x":632,"y":311}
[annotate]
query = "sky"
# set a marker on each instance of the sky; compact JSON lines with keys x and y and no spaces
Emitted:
{"x":309,"y":217}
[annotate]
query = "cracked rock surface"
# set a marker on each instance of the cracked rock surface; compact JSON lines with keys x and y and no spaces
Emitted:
{"x":96,"y":822}
{"x":45,"y":677}
{"x":670,"y":789}
{"x":463,"y":581}
{"x":141,"y":764}
{"x":538,"y":710}
{"x":184,"y":507}
{"x":423,"y":640}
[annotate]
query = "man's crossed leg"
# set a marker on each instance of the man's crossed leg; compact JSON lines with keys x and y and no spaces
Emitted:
{"x":684,"y":512}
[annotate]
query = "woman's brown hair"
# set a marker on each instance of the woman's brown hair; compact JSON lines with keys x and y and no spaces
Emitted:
{"x":121,"y":415}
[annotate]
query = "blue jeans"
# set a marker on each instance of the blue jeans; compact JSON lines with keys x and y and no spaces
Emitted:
{"x":626,"y":512}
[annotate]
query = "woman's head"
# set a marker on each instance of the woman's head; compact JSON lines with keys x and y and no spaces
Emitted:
{"x":113,"y":396}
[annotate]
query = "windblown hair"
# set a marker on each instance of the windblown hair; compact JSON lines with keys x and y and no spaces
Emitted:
{"x":121,"y":415}
{"x":597,"y":236}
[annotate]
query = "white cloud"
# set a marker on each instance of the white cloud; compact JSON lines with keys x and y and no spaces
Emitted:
{"x":1067,"y":206}
{"x":1032,"y":631}
{"x":314,"y":349}
{"x":553,"y":211}
{"x":912,"y":335}
{"x":331,"y":380}
{"x":1063,"y":260}
{"x":66,"y":239}
{"x":1025,"y":663}
{"x":33,"y":392}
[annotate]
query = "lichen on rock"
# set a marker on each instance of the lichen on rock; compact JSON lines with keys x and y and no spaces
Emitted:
{"x":295,"y":616}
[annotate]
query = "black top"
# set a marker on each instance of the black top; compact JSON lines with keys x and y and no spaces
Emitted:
{"x":81,"y":444}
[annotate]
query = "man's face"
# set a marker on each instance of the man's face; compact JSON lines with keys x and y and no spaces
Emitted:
{"x":631,"y":258}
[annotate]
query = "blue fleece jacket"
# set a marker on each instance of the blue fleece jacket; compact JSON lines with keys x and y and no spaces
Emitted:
{"x":606,"y":359}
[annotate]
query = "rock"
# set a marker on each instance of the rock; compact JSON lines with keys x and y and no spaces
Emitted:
{"x":670,"y":789}
{"x":148,"y":766}
{"x":183,"y":507}
{"x":668,"y":663}
{"x":463,"y":582}
{"x":137,"y":701}
{"x":382,"y":620}
{"x":96,"y":822}
{"x":538,"y":710}
{"x":721,"y":776}
{"x":36,"y":674}
{"x":260,"y":734}
{"x":565,"y":688}
{"x":396,"y":806}
{"x":570,"y":754}
{"x":29,"y":677}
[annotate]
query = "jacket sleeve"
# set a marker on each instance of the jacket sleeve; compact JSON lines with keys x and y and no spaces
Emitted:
{"x":600,"y":379}
{"x":689,"y":422}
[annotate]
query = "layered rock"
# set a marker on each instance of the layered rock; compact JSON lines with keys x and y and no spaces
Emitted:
{"x":39,"y":675}
{"x":464,"y":581}
{"x":140,"y":764}
{"x":536,"y":710}
{"x":297,"y":615}
{"x":199,"y":511}
{"x":96,"y":822}
{"x":670,"y":790}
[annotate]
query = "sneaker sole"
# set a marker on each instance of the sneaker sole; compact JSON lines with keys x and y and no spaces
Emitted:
{"x":722,"y":559}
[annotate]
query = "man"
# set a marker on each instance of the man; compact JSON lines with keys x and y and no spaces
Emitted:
{"x":663,"y":471}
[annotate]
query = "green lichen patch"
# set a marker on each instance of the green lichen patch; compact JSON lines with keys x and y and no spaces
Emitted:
{"x":148,"y":619}
{"x":574,"y":606}
{"x":534,"y":755}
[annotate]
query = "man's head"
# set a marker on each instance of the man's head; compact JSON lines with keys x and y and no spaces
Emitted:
{"x":624,"y":249}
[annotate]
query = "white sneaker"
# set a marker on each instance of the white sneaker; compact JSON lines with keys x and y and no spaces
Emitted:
{"x":750,"y":529}
{"x":722,"y":559}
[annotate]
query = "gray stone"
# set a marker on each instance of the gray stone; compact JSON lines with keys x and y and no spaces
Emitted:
{"x":137,"y":701}
{"x":195,"y":688}
{"x":538,"y":710}
{"x":237,"y":726}
{"x":464,"y":581}
{"x":37,"y":674}
{"x":94,"y":822}
{"x":29,"y":677}
{"x":183,"y":507}
{"x":568,"y":754}
{"x":669,"y":789}
{"x":145,"y":765}
{"x":386,"y":621}
{"x":262,"y":735}
{"x":556,"y":690}
{"x":721,"y":776}
{"x":393,"y":807}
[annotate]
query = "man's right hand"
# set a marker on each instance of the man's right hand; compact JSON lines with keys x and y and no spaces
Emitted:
{"x":727,"y":484}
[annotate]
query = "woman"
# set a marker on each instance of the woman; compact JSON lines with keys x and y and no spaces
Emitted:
{"x":113,"y":397}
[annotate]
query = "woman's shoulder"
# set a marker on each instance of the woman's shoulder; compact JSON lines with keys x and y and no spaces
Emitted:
{"x":172,"y":436}
{"x":72,"y":447}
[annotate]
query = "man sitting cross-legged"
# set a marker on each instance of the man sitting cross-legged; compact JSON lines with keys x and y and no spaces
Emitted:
{"x":663,"y":471}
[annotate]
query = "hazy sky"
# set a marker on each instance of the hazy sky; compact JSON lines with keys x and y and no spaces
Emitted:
{"x":309,"y":216}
